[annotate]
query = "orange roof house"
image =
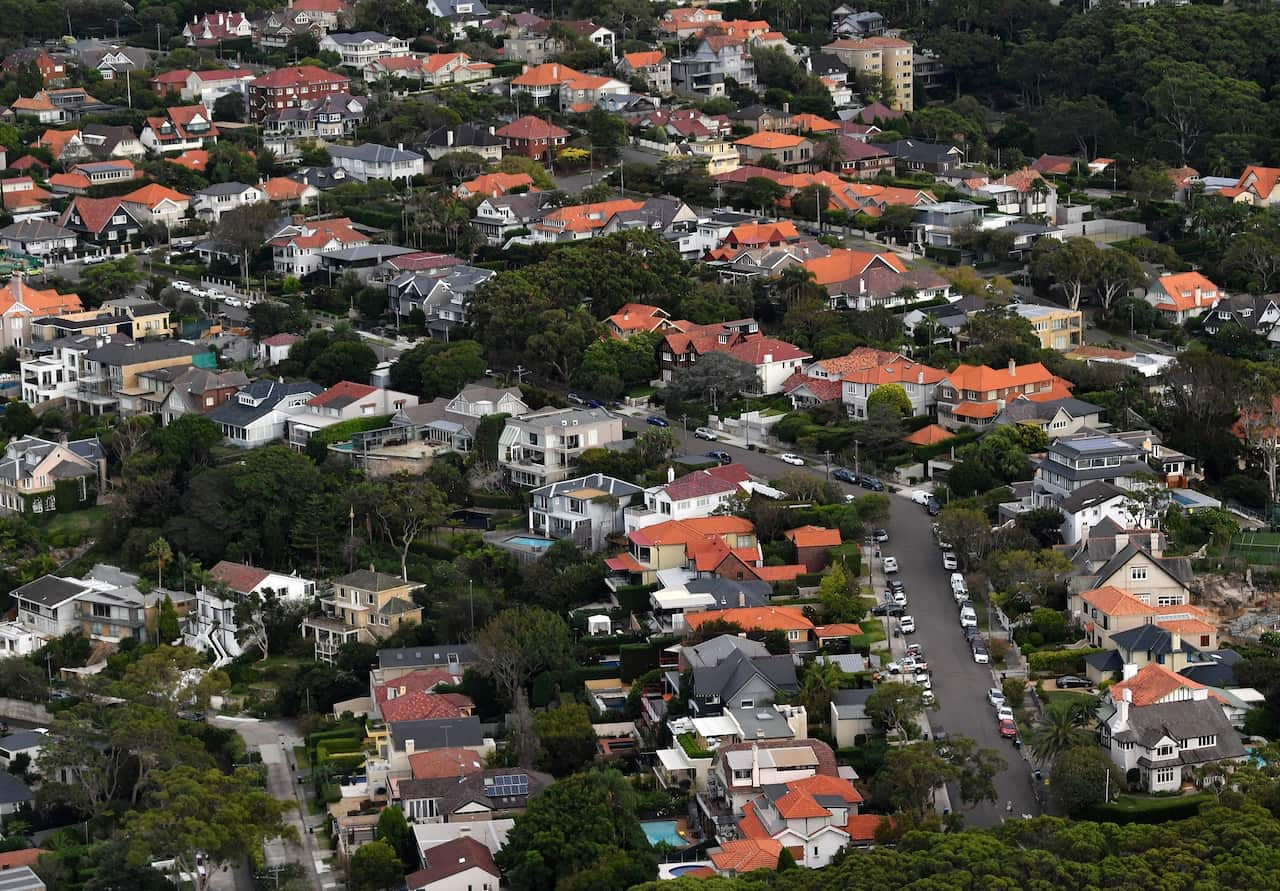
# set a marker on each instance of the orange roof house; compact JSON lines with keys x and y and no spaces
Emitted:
{"x":581,"y":218}
{"x":40,"y":303}
{"x":812,"y":544}
{"x":1184,"y":295}
{"x":1054,"y":165}
{"x":192,"y":159}
{"x":634,"y":318}
{"x":491,"y":185}
{"x":842,"y":265}
{"x":437,"y":764}
{"x":1153,"y":683}
{"x":757,"y":618}
{"x":752,"y":235}
{"x":743,"y":855}
{"x":975,"y":394}
{"x":771,"y":141}
{"x":812,"y":123}
{"x":639,"y":60}
{"x":280,"y":188}
{"x":927,"y":436}
{"x":1257,"y":185}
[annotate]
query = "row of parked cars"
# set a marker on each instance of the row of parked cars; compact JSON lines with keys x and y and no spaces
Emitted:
{"x":1004,"y":714}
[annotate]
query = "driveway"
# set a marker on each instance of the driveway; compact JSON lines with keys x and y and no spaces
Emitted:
{"x":959,"y":683}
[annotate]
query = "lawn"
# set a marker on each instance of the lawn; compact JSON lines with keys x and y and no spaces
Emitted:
{"x":1150,"y":809}
{"x":82,"y":522}
{"x":1052,"y":696}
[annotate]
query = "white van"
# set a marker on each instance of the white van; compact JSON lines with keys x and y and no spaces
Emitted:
{"x":968,"y":618}
{"x":958,"y":583}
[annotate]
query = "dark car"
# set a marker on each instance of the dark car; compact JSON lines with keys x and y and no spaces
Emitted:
{"x":870,"y":482}
{"x":655,"y":421}
{"x":933,"y":507}
{"x":1071,"y":682}
{"x":896,"y":585}
{"x":971,"y":634}
{"x":888,"y":608}
{"x":844,"y":475}
{"x":722,"y":457}
{"x":594,"y":403}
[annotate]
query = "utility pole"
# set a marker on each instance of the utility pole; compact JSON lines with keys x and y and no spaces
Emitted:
{"x":827,"y":457}
{"x":471,"y":597}
{"x":857,"y":465}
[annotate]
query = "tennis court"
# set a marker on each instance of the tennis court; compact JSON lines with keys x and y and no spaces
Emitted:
{"x":1260,"y":548}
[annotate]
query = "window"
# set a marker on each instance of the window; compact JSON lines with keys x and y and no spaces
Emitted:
{"x":1166,"y":775}
{"x":101,"y":611}
{"x":1164,"y":751}
{"x":1138,"y":574}
{"x":747,"y":703}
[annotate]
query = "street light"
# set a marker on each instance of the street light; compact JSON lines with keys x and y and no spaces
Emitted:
{"x":857,"y":464}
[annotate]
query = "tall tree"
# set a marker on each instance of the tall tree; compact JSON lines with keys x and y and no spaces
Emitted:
{"x":1065,"y":726}
{"x":519,"y":642}
{"x":404,"y":507}
{"x":895,"y":706}
{"x":244,"y":230}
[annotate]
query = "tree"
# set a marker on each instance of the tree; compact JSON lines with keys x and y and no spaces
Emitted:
{"x":1150,"y":182}
{"x":762,"y":192}
{"x":1065,"y":726}
{"x":977,"y":769}
{"x":1118,"y":273}
{"x":786,"y":860}
{"x":1042,"y":523}
{"x":186,"y":441}
{"x":21,"y":678}
{"x":892,"y":396}
{"x":376,"y":867}
{"x":968,"y":530}
{"x":519,"y":164}
{"x":1073,"y":264}
{"x":567,"y":737}
{"x":574,"y":829}
{"x":1259,"y":428}
{"x":996,"y":335}
{"x":895,"y":706}
{"x":342,"y":360}
{"x":910,"y":775}
{"x":167,"y":625}
{"x":563,"y":337}
{"x":518,"y":643}
{"x":726,"y":374}
{"x":458,"y":165}
{"x":835,"y":601}
{"x":111,"y":280}
{"x":243,"y":230}
{"x":158,"y":555}
{"x":1080,"y":778}
{"x":821,"y":680}
{"x":19,"y":419}
{"x":404,"y":506}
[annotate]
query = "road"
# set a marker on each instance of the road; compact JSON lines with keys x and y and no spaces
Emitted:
{"x":959,"y":683}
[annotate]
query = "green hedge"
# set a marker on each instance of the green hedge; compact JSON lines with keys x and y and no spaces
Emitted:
{"x":634,"y":598}
{"x":347,"y":763}
{"x":497,"y":501}
{"x":690,"y":746}
{"x":851,"y":553}
{"x":1155,"y":810}
{"x":636,"y":659}
{"x":332,"y":748}
{"x":808,"y":579}
{"x":1060,"y":661}
{"x":924,"y":453}
{"x":949,"y":256}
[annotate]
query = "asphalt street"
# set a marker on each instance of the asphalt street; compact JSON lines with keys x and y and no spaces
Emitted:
{"x":959,"y":683}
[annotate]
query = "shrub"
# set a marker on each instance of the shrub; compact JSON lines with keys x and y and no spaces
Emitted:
{"x":1060,"y":661}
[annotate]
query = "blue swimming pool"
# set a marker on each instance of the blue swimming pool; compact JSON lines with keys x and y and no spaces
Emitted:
{"x":677,"y":871}
{"x":663,"y":831}
{"x":530,"y":541}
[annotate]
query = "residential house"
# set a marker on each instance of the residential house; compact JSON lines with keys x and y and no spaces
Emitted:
{"x":1161,"y":581}
{"x":460,"y":14}
{"x":344,"y":401}
{"x":1110,"y":610}
{"x":39,"y":108}
{"x":1160,"y":744}
{"x":487,"y":794}
{"x":214,"y":27}
{"x":155,"y":203}
{"x":533,"y":137}
{"x":47,"y":605}
{"x":1259,"y":186}
{"x":683,"y":22}
{"x":211,"y":202}
{"x":465,"y":137}
{"x":696,"y":494}
{"x":67,"y":146}
{"x":256,"y":415}
{"x":739,"y":856}
{"x":105,"y":142}
{"x":22,"y":743}
{"x":84,"y":176}
{"x":973,"y":395}
{"x":195,"y":391}
{"x":212,"y":624}
{"x":582,"y":92}
{"x":110,"y":374}
{"x":365,"y":607}
{"x":395,"y":663}
{"x":1054,"y":165}
{"x":499,"y":218}
{"x":651,"y":66}
{"x":1073,"y":462}
{"x":690,"y":547}
{"x":814,"y":818}
{"x":39,"y":477}
{"x":453,"y":422}
{"x":290,"y":192}
{"x":110,"y":223}
{"x":684,"y":348}
{"x":740,"y":681}
{"x":637,"y":318}
{"x":919,"y":382}
{"x":914,"y":156}
{"x":442,"y":294}
{"x":438,"y":69}
{"x":880,"y":59}
{"x":293,"y":87}
{"x":39,"y":238}
{"x":14,"y":796}
{"x":1056,"y":417}
{"x":454,"y":866}
{"x":789,"y":620}
{"x":493,"y":185}
{"x":275,"y":349}
{"x":183,"y":127}
{"x":813,"y":545}
{"x":820,"y":381}
{"x":1168,"y":641}
{"x":17,"y":639}
{"x":371,"y":161}
{"x":741,"y":772}
{"x":297,"y":247}
{"x":53,"y":72}
{"x":586,"y":510}
{"x":864,"y":280}
{"x":858,"y":25}
{"x":850,"y":723}
{"x":51,"y":369}
{"x":332,"y":117}
{"x":361,"y":48}
{"x":1184,"y":295}
{"x":792,"y":152}
{"x":21,"y":304}
{"x":542,"y":447}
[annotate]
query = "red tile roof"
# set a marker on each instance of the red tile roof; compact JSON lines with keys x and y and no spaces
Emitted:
{"x":747,"y":854}
{"x":684,"y":531}
{"x":814,"y":537}
{"x":530,"y":127}
{"x":761,"y":350}
{"x":770,"y":141}
{"x":423,"y":680}
{"x":342,"y":390}
{"x":294,"y":76}
{"x":418,"y":706}
{"x":702,"y":483}
{"x":762,"y":618}
{"x":927,"y":436}
{"x":1152,"y":683}
{"x":449,"y":859}
{"x":154,"y":193}
{"x":192,"y":159}
{"x":440,"y":763}
{"x":95,"y":213}
{"x":1114,"y":601}
{"x":239,"y":577}
{"x":1187,"y":290}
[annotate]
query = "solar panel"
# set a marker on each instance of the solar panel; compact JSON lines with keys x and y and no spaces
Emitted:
{"x":507,"y":785}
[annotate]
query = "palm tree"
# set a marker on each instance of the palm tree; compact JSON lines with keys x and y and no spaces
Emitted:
{"x":1065,"y":726}
{"x":796,"y":283}
{"x":821,"y":680}
{"x":159,"y":554}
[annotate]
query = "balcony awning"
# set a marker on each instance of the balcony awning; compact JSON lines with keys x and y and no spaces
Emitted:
{"x":624,"y":563}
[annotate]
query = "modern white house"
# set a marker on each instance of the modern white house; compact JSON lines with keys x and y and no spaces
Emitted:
{"x":212,"y":624}
{"x":256,"y":415}
{"x":696,"y":494}
{"x":212,"y":202}
{"x":585,"y":510}
{"x":542,"y":447}
{"x":372,"y":161}
{"x":360,"y":48}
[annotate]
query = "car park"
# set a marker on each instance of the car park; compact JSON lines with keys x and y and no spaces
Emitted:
{"x":907,"y":624}
{"x":1071,"y":682}
{"x":870,"y":482}
{"x":996,"y":697}
{"x":882,"y":535}
{"x":890,"y":564}
{"x":704,"y":433}
{"x":949,"y":561}
{"x":722,"y":457}
{"x":655,"y":421}
{"x":1008,"y":730}
{"x":844,"y":475}
{"x":791,"y":458}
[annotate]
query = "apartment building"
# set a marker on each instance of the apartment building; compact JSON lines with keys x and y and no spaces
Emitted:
{"x":1057,"y":327}
{"x":887,"y":61}
{"x":293,"y":87}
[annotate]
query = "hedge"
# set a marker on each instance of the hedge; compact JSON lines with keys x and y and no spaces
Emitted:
{"x":691,"y":747}
{"x":851,"y":554}
{"x":318,"y":444}
{"x":924,"y":453}
{"x":348,"y":763}
{"x":1060,"y":661}
{"x":496,"y":501}
{"x":808,"y":579}
{"x":636,"y":659}
{"x":331,"y":749}
{"x":634,"y":598}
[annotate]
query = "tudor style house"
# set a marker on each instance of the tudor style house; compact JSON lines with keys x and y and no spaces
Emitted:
{"x":111,"y":223}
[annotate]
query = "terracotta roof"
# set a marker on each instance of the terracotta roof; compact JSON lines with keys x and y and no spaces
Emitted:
{"x":70,"y":181}
{"x":220,"y":74}
{"x":902,"y":371}
{"x":1187,"y":626}
{"x":495,"y":184}
{"x":814,"y":123}
{"x":863,"y":827}
{"x":841,"y":265}
{"x":786,"y":573}
{"x":769,"y":140}
{"x":1023,"y":179}
{"x":94,"y":212}
{"x":349,"y":390}
{"x":586,"y":217}
{"x":418,"y":706}
{"x":549,"y":75}
{"x":1264,"y":179}
{"x":449,"y":859}
{"x":759,"y":350}
{"x":814,"y":537}
{"x":927,"y":436}
{"x":624,"y":563}
{"x":837,"y":629}
{"x":41,"y":303}
{"x":173,"y":78}
{"x":281,"y":340}
{"x":1055,"y":164}
{"x":192,"y":159}
{"x":320,"y":233}
{"x":292,"y":76}
{"x":796,"y":805}
{"x":440,"y":763}
{"x":529,"y":127}
{"x":976,"y":410}
{"x":19,"y":859}
{"x":239,"y":577}
{"x":1116,"y":602}
{"x":644,"y":59}
{"x":1087,"y":351}
{"x":1152,"y":683}
{"x":819,"y":387}
{"x":154,"y":193}
{"x":1182,"y":289}
{"x":746,"y":854}
{"x":982,"y":378}
{"x":684,"y":531}
{"x":423,"y":680}
{"x":762,"y":233}
{"x":762,"y":618}
{"x":821,"y":784}
{"x":702,"y":483}
{"x":56,"y":140}
{"x":860,"y":359}
{"x":280,"y":188}
{"x":867,"y":43}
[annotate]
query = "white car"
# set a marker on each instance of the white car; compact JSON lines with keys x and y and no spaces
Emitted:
{"x":927,"y":697}
{"x":890,"y":564}
{"x":922,"y":680}
{"x":1004,"y":713}
{"x":995,"y":697}
{"x":919,"y":496}
{"x":981,"y":656}
{"x":949,"y":561}
{"x":704,"y":433}
{"x":958,"y":585}
{"x":179,"y":285}
{"x":907,"y":624}
{"x":968,"y":618}
{"x":789,"y":458}
{"x":95,"y":259}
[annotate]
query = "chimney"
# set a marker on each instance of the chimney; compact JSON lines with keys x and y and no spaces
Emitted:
{"x":1129,"y":671}
{"x":448,"y":138}
{"x":15,"y":285}
{"x":1175,"y":641}
{"x":786,"y":108}
{"x":671,"y":473}
{"x":1198,"y":295}
{"x":298,"y":219}
{"x":1122,"y":707}
{"x":408,"y":746}
{"x":755,"y":766}
{"x":400,"y":146}
{"x":920,"y":377}
{"x":1013,"y":366}
{"x":742,"y":599}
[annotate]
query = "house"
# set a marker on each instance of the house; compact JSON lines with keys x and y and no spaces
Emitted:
{"x":214,"y":27}
{"x":21,"y":304}
{"x":815,"y":818}
{"x":110,"y":374}
{"x":196,"y":391}
{"x":110,"y":223}
{"x":1056,"y":417}
{"x":812,"y":544}
{"x":1259,"y":186}
{"x":880,"y":59}
{"x":1111,"y":610}
{"x":105,"y":142}
{"x":479,"y":139}
{"x":1073,"y":462}
{"x":919,"y":382}
{"x":371,"y":161}
{"x":365,"y":607}
{"x":38,"y":108}
{"x":275,"y":349}
{"x":789,"y":620}
{"x":39,"y":238}
{"x":442,"y":294}
{"x":914,"y":155}
{"x":461,"y":865}
{"x":155,"y":203}
{"x":293,"y":87}
{"x":690,"y":547}
{"x":332,"y":117}
{"x":256,"y":415}
{"x":1160,"y":744}
{"x":858,"y":25}
{"x":14,"y":796}
{"x":453,"y":422}
{"x":687,"y":21}
{"x":973,"y":395}
{"x":741,"y":772}
{"x":1056,"y":327}
{"x":586,"y":510}
{"x":38,"y":476}
{"x":290,"y":192}
{"x":498,"y":218}
{"x":1184,"y":295}
{"x":297,"y":247}
{"x":344,"y":401}
{"x":792,"y":152}
{"x":1161,"y":581}
{"x":494,"y":184}
{"x":1054,"y":165}
{"x":697,"y":494}
{"x":395,"y":663}
{"x":740,"y":681}
{"x":211,"y":202}
{"x":53,"y":72}
{"x":820,"y":381}
{"x":543,"y":446}
{"x":864,"y":280}
{"x":67,"y":146}
{"x":361,"y":48}
{"x":47,"y":605}
{"x":17,"y":639}
{"x":651,"y":66}
{"x":183,"y":127}
{"x":437,"y":69}
{"x":486,"y":794}
{"x":850,"y":724}
{"x":460,"y":14}
{"x":533,"y":137}
{"x":740,"y":856}
{"x":87,"y":174}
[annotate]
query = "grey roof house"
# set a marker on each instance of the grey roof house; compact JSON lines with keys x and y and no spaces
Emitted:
{"x":373,"y":161}
{"x":740,"y":681}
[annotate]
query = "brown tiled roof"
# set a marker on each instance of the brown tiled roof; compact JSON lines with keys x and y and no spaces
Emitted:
{"x":239,"y":577}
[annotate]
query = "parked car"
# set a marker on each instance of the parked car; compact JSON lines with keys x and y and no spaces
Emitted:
{"x":896,"y":585}
{"x":870,"y":482}
{"x":791,"y":458}
{"x":722,"y":457}
{"x":933,"y":508}
{"x":898,"y":597}
{"x":920,"y":497}
{"x":927,"y":697}
{"x":888,"y":608}
{"x":179,"y":285}
{"x":890,"y":564}
{"x":882,"y":535}
{"x":1071,"y":682}
{"x":958,"y":583}
{"x":915,"y":649}
{"x":704,"y":433}
{"x":1004,"y":712}
{"x":576,"y":399}
{"x":655,"y":421}
{"x":949,"y":561}
{"x":972,"y":634}
{"x":95,"y":259}
{"x":844,"y":475}
{"x":996,"y":697}
{"x":980,"y":654}
{"x":1008,"y":730}
{"x":907,"y":624}
{"x":968,"y":617}
{"x":922,"y":680}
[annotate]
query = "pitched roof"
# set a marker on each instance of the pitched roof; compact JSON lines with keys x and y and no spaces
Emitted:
{"x":746,"y":854}
{"x":239,"y":577}
{"x":770,"y":140}
{"x":95,"y":213}
{"x":929,"y":435}
{"x":549,"y":75}
{"x":1115,"y":601}
{"x":420,"y":680}
{"x":152,"y":194}
{"x":1187,"y":290}
{"x":841,"y":265}
{"x":419,"y":706}
{"x":530,"y":127}
{"x":761,"y":350}
{"x":814,"y":537}
{"x":1152,"y":683}
{"x":982,"y":378}
{"x":449,"y":859}
{"x":703,"y":483}
{"x":765,"y":618}
{"x":292,"y":76}
{"x":644,"y":59}
{"x":451,"y":762}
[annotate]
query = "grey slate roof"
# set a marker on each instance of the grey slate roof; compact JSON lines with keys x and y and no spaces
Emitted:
{"x":35,"y":230}
{"x":49,"y":590}
{"x":464,"y":135}
{"x":369,"y":580}
{"x":732,"y":673}
{"x":1177,"y":567}
{"x":726,"y":591}
{"x":237,"y":414}
{"x":21,"y":878}
{"x":456,"y":792}
{"x":142,"y":351}
{"x":1151,"y":639}
{"x":425,"y":657}
{"x":1089,"y":495}
{"x":437,"y":733}
{"x":229,"y":188}
{"x":1185,"y":719}
{"x":23,"y":739}
{"x":372,"y":153}
{"x":354,"y":38}
{"x":1106,"y":661}
{"x":612,"y":485}
{"x":712,"y":652}
{"x":918,"y":150}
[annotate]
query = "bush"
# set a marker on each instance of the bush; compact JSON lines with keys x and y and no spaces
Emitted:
{"x":1060,"y":661}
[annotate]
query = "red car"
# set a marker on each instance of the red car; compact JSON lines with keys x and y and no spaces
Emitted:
{"x":1008,"y":730}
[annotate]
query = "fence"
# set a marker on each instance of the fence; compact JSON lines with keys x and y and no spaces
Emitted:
{"x":1103,"y":230}
{"x":1258,"y":548}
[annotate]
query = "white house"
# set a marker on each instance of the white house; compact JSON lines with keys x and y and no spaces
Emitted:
{"x":212,"y":202}
{"x":359,"y":49}
{"x":256,"y":415}
{"x":39,"y":238}
{"x":817,"y":816}
{"x":372,"y":161}
{"x":344,"y":401}
{"x":463,"y":864}
{"x":275,"y":349}
{"x":212,"y":624}
{"x":919,"y":382}
{"x":23,"y":742}
{"x":296,"y":249}
{"x":696,"y":494}
{"x":47,"y":605}
{"x":17,"y":639}
{"x":774,"y":360}
{"x":585,"y":510}
{"x":1087,"y":507}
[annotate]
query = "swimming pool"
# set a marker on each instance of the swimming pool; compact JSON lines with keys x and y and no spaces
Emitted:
{"x":663,"y":832}
{"x":529,"y":541}
{"x":678,"y":871}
